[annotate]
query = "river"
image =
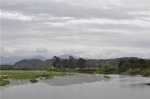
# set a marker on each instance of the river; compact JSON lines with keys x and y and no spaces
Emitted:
{"x":117,"y":87}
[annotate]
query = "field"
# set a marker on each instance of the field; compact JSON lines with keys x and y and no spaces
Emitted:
{"x":23,"y":75}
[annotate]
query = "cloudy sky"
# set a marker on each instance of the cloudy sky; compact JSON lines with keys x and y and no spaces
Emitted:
{"x":87,"y":28}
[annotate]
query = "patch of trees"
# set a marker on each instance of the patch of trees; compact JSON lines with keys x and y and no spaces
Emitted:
{"x":69,"y":63}
{"x":133,"y":64}
{"x":122,"y":64}
{"x":108,"y":69}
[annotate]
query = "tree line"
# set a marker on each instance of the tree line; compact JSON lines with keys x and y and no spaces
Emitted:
{"x":69,"y":63}
{"x":134,"y":66}
{"x":140,"y":64}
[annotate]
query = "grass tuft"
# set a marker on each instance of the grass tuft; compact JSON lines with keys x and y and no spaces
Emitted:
{"x":33,"y":80}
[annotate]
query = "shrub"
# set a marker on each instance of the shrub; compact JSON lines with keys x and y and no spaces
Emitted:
{"x":4,"y":82}
{"x":33,"y":80}
{"x":5,"y":76}
{"x":148,"y":84}
{"x":145,"y":73}
{"x":1,"y":79}
{"x":107,"y":69}
{"x":132,"y":72}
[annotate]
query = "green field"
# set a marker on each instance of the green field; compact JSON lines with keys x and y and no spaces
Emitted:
{"x":23,"y":75}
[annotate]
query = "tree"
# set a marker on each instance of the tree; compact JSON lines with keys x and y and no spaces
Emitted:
{"x":65,"y":63}
{"x":106,"y":66}
{"x":56,"y":62}
{"x":71,"y":62}
{"x":108,"y":69}
{"x":81,"y":63}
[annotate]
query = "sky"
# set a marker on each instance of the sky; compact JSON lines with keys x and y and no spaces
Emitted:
{"x":87,"y":28}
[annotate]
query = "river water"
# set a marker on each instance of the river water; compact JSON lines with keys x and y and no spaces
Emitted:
{"x":117,"y":87}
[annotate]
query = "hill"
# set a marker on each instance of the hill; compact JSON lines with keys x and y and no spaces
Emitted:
{"x":90,"y":63}
{"x":13,"y":59}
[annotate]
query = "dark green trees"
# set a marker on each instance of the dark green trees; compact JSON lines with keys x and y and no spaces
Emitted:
{"x":65,"y":63}
{"x":56,"y":62}
{"x":81,"y":63}
{"x":133,"y":65}
{"x":69,"y":63}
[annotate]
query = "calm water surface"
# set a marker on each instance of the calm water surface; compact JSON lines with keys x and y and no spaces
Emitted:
{"x":118,"y":87}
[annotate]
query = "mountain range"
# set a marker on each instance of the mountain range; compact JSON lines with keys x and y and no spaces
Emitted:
{"x":13,"y":59}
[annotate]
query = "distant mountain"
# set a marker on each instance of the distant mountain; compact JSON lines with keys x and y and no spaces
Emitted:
{"x":34,"y":63}
{"x":66,"y":56}
{"x":28,"y":63}
{"x":10,"y":60}
{"x":42,"y":61}
{"x":90,"y":63}
{"x":13,"y":59}
{"x":48,"y":62}
{"x":39,"y":57}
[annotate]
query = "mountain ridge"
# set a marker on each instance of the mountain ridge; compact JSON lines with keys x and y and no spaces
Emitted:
{"x":13,"y":59}
{"x":90,"y":63}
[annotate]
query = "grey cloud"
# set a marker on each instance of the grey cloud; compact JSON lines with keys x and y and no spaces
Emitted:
{"x":75,"y":26}
{"x":73,"y":52}
{"x":118,"y":53}
{"x":41,"y":50}
{"x":65,"y":8}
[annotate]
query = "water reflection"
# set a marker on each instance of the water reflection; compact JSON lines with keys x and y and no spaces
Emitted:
{"x":118,"y":87}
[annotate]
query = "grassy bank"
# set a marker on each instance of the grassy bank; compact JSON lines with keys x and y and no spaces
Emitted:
{"x":32,"y":75}
{"x":145,"y":73}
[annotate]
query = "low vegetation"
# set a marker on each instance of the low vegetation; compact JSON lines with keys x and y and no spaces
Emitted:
{"x":105,"y":69}
{"x":129,"y":66}
{"x":148,"y":84}
{"x":33,"y":80}
{"x":134,"y":67}
{"x":132,"y":71}
{"x":145,"y":73}
{"x":32,"y":75}
{"x":3,"y":82}
{"x":108,"y":69}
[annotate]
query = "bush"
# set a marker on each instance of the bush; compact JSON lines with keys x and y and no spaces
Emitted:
{"x":48,"y":77}
{"x":4,"y":82}
{"x":107,"y":69}
{"x":4,"y":77}
{"x":148,"y":84}
{"x":145,"y":73}
{"x":132,"y":72}
{"x":33,"y":80}
{"x":1,"y":79}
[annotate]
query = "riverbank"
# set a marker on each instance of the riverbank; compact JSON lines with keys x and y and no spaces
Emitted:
{"x":61,"y":80}
{"x":117,"y":87}
{"x":53,"y":78}
{"x":77,"y":78}
{"x":9,"y":77}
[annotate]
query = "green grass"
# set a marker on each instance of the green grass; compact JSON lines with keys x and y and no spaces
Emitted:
{"x":102,"y":70}
{"x":30,"y":74}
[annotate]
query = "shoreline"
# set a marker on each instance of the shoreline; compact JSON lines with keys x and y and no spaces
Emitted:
{"x":76,"y":78}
